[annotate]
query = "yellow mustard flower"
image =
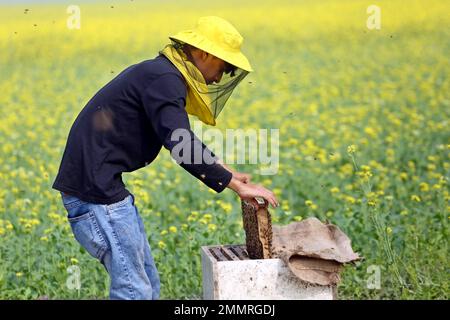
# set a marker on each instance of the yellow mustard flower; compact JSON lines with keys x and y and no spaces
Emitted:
{"x":173,"y":229}
{"x":161,"y":244}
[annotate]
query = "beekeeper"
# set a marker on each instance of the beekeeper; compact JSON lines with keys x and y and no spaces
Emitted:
{"x":123,"y":128}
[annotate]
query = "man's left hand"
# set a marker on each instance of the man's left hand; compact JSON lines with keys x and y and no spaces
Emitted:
{"x":242,"y":177}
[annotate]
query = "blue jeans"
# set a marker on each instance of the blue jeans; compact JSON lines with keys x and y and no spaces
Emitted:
{"x":114,"y":234}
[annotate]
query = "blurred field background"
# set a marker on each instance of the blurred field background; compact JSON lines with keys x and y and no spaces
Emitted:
{"x":364,"y":137}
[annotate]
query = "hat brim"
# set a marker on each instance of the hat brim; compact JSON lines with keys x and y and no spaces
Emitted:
{"x":236,"y":58}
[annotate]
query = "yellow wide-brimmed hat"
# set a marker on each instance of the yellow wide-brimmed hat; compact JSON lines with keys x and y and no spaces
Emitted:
{"x":217,"y":37}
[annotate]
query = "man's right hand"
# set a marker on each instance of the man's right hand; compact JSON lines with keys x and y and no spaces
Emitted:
{"x":248,"y":191}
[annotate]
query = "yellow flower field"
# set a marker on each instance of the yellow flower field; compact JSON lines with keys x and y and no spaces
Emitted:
{"x":364,"y":137}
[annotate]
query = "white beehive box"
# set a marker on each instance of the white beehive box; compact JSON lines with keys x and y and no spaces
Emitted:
{"x":228,"y":274}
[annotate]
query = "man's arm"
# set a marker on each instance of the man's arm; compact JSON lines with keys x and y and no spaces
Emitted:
{"x":164,"y":103}
{"x":249,"y":191}
{"x":241,"y":176}
{"x":240,"y":183}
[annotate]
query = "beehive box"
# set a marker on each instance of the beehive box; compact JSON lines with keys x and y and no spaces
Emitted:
{"x":229,"y":274}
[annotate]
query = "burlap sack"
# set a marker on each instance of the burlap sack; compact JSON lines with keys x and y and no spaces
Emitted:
{"x":314,"y":251}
